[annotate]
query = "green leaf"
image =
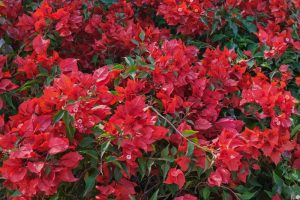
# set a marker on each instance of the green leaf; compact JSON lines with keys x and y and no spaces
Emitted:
{"x":295,"y":131}
{"x":55,"y":70}
{"x":188,"y":133}
{"x":233,"y":27}
{"x":165,"y":168}
{"x":16,"y":193}
{"x":91,"y":153}
{"x":87,"y":141}
{"x":154,"y":196}
{"x":279,"y":183}
{"x":190,"y":149}
{"x":109,"y":2}
{"x":214,"y":26}
{"x":55,"y":197}
{"x":225,"y":195}
{"x":151,"y":60}
{"x":206,"y":193}
{"x":103,"y":148}
{"x":129,"y":61}
{"x":8,"y":99}
{"x":135,"y":42}
{"x":143,"y":75}
{"x":270,"y":194}
{"x":150,"y":163}
{"x":142,"y":35}
{"x":132,"y":71}
{"x":28,"y":85}
{"x":142,"y":167}
{"x":68,"y":119}
{"x":58,"y":116}
{"x":111,"y":158}
{"x":95,"y":59}
{"x":90,"y":180}
{"x":117,"y":174}
{"x":248,"y":195}
{"x":173,"y":188}
{"x":165,"y":152}
{"x":43,"y":71}
{"x":218,"y":37}
{"x":204,"y":20}
{"x":249,"y":26}
{"x":49,"y":80}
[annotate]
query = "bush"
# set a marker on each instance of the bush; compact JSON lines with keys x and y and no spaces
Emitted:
{"x":149,"y":99}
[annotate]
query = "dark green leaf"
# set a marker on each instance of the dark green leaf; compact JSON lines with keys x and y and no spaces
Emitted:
{"x":58,"y":116}
{"x":206,"y":193}
{"x":117,"y":174}
{"x":249,"y":26}
{"x":154,"y":196}
{"x":248,"y":195}
{"x":109,"y":2}
{"x":90,"y":179}
{"x":142,"y":167}
{"x":91,"y":153}
{"x":87,"y":141}
{"x":165,"y":168}
{"x":234,"y":28}
{"x":68,"y":120}
{"x":214,"y":26}
{"x":218,"y":37}
{"x":165,"y":152}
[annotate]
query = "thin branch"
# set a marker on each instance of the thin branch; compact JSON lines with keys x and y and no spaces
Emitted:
{"x":236,"y":196}
{"x":206,"y":149}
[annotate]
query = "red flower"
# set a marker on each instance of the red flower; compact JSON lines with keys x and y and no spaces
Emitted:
{"x":183,"y":162}
{"x":276,"y":197}
{"x":40,"y":45}
{"x":5,"y":84}
{"x":57,"y":145}
{"x":218,"y":177}
{"x":13,"y":170}
{"x":70,"y":159}
{"x":68,"y":65}
{"x":298,"y":81}
{"x":186,"y":197}
{"x":35,"y":167}
{"x":175,"y":176}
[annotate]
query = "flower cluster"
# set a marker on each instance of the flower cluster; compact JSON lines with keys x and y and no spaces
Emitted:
{"x":146,"y":99}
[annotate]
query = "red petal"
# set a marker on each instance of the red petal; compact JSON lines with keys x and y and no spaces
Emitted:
{"x":67,"y":176}
{"x":57,"y":145}
{"x":35,"y":167}
{"x":183,"y":162}
{"x":40,"y":45}
{"x":68,"y":65}
{"x":101,"y":75}
{"x":202,"y":124}
{"x":18,"y":174}
{"x":71,"y":159}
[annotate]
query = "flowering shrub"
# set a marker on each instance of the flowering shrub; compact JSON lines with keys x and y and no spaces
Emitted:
{"x":149,"y":99}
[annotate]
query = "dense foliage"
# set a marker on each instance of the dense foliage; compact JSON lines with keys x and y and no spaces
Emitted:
{"x":147,"y":99}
